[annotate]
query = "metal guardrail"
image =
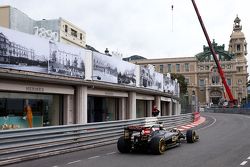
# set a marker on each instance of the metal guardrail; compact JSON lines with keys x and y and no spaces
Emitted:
{"x":245,"y":111}
{"x":25,"y":144}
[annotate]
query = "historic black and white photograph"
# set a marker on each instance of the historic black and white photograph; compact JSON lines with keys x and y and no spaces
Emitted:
{"x":150,"y":78}
{"x":66,"y":60}
{"x":126,"y":73}
{"x":105,"y":68}
{"x":146,"y":78}
{"x":157,"y":81}
{"x":23,"y":51}
{"x":167,"y":83}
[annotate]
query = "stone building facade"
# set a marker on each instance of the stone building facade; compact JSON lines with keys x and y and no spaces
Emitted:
{"x":59,"y":30}
{"x":201,"y":74}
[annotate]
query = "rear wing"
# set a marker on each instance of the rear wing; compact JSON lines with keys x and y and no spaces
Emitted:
{"x":137,"y":128}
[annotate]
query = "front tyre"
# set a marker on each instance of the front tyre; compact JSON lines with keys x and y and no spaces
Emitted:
{"x":124,"y":146}
{"x":191,"y":136}
{"x":157,"y":145}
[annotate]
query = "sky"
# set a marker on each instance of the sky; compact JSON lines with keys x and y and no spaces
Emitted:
{"x":149,"y":28}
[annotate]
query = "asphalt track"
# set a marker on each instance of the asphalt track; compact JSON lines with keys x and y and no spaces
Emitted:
{"x":224,"y":142}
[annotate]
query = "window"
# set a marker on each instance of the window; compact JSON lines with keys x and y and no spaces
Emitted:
{"x":73,"y":32}
{"x":229,"y":82}
{"x":66,"y":28}
{"x":238,"y":47}
{"x":239,"y":69}
{"x":202,"y":82}
{"x":80,"y":36}
{"x":222,"y":58}
{"x":169,"y":67}
{"x":239,"y":81}
{"x":177,"y":67}
{"x":161,"y":68}
{"x":215,"y":80}
{"x":211,"y":58}
{"x":187,"y":80}
{"x":187,"y":67}
{"x":45,"y":109}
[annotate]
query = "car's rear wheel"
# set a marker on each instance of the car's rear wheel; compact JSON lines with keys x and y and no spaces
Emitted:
{"x":158,"y":145}
{"x":191,"y":136}
{"x":124,"y":146}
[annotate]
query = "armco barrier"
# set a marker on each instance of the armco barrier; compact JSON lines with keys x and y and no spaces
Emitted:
{"x":25,"y":144}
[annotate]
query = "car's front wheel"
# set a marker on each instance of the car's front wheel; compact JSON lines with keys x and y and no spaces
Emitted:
{"x":191,"y":136}
{"x":157,"y":145}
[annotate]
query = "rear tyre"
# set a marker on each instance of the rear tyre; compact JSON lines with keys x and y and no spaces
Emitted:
{"x":191,"y":136}
{"x":124,"y":146}
{"x":157,"y":145}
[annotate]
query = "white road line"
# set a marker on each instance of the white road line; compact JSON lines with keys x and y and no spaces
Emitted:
{"x":210,"y":124}
{"x":243,"y":163}
{"x":73,"y":162}
{"x":111,"y":153}
{"x":248,"y":158}
{"x":55,"y":166}
{"x":94,"y":157}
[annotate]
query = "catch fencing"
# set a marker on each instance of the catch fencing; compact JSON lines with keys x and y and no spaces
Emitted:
{"x":25,"y":144}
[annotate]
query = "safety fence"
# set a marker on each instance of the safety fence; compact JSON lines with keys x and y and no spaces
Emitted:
{"x":25,"y":144}
{"x":245,"y":111}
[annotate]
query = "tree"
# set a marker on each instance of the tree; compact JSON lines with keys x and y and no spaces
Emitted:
{"x":181,"y":80}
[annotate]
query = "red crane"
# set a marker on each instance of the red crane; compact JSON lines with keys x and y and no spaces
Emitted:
{"x":232,"y":101}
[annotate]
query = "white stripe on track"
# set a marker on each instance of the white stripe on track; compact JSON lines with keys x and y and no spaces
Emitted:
{"x":243,"y":163}
{"x":73,"y":162}
{"x":111,"y":153}
{"x":94,"y":157}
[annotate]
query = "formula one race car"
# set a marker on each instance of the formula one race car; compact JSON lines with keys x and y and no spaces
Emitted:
{"x":154,"y":139}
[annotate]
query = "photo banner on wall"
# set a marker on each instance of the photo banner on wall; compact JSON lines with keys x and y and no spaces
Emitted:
{"x":27,"y":52}
{"x":22,"y":51}
{"x":110,"y":69}
{"x":66,"y":60}
{"x":150,"y":78}
{"x":168,"y":86}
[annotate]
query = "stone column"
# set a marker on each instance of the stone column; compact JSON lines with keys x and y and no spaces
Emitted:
{"x":149,"y":108}
{"x":179,"y":108}
{"x":170,"y":108}
{"x":132,"y":105}
{"x":68,"y":109}
{"x":81,"y":105}
{"x":122,"y":108}
{"x":158,"y":103}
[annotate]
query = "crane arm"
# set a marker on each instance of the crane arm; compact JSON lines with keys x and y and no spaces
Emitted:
{"x":230,"y":95}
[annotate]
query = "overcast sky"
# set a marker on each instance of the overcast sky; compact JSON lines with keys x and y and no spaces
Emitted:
{"x":149,"y":28}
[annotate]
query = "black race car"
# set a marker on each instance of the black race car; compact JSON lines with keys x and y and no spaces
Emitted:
{"x":154,"y":139}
